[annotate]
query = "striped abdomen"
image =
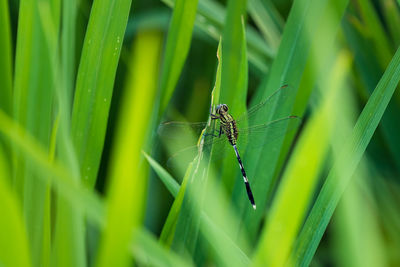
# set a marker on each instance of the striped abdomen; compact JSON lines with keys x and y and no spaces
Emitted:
{"x":229,"y":127}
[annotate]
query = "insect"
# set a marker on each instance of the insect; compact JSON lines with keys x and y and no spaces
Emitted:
{"x":229,"y":127}
{"x":256,"y":135}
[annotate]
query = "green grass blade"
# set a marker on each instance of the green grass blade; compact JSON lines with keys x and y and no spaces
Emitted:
{"x":346,"y":163}
{"x":33,"y":104}
{"x":6,"y":61}
{"x":149,"y":252}
{"x":14,"y":246}
{"x":177,"y":47}
{"x":94,"y":85}
{"x":392,"y":18}
{"x":169,"y":227}
{"x":227,"y":250}
{"x":233,"y":70}
{"x":205,"y":211}
{"x":6,"y":73}
{"x":268,"y":20}
{"x":234,"y":76}
{"x":296,"y":190}
{"x":217,"y":238}
{"x":212,"y":218}
{"x":186,"y":228}
{"x":126,"y":193}
{"x":217,"y":221}
{"x":355,"y":226}
{"x":166,"y":178}
{"x":188,"y":221}
{"x":287,"y":68}
{"x":69,"y":237}
{"x":47,"y":220}
{"x":169,"y":230}
{"x":50,"y":172}
{"x":68,"y":41}
{"x":370,"y":69}
{"x":323,"y":52}
{"x":211,"y":18}
{"x":180,"y":210}
{"x":375,"y":30}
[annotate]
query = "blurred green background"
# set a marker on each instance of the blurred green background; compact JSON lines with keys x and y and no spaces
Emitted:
{"x":86,"y":86}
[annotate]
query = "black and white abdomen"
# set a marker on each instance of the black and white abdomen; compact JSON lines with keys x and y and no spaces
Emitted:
{"x":230,"y":129}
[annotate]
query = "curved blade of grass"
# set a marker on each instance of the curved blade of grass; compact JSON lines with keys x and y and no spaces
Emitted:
{"x":322,"y":53}
{"x":177,"y":47}
{"x":211,"y":17}
{"x":376,"y":32}
{"x":392,"y":18}
{"x":58,"y":176}
{"x":234,"y":69}
{"x":166,"y":178}
{"x":345,"y":164}
{"x":169,"y":228}
{"x":6,"y":74}
{"x":186,"y":227}
{"x":357,"y":231}
{"x":68,"y":43}
{"x":234,"y":77}
{"x":370,"y":70}
{"x":205,"y":209}
{"x":47,"y":220}
{"x":52,"y":172}
{"x":227,"y":250}
{"x":149,"y":252}
{"x":94,"y":85}
{"x":126,"y":194}
{"x":6,"y":61}
{"x":217,"y":238}
{"x":14,"y":247}
{"x":218,"y":226}
{"x":296,"y":190}
{"x":69,"y":238}
{"x":268,"y":21}
{"x":214,"y":221}
{"x":33,"y":109}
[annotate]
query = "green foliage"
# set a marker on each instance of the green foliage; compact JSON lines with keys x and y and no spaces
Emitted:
{"x":177,"y":47}
{"x":6,"y":62}
{"x":85,"y":173}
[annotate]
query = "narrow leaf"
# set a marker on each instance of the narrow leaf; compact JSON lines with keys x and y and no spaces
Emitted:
{"x":95,"y":81}
{"x":177,"y":47}
{"x":166,"y":178}
{"x":126,"y":192}
{"x":346,"y":163}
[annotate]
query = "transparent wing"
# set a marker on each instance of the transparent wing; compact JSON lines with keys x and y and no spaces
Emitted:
{"x":177,"y":129}
{"x":253,"y":137}
{"x":282,"y":93}
{"x":263,"y":134}
{"x":181,"y":138}
{"x":220,"y":143}
{"x":185,"y":135}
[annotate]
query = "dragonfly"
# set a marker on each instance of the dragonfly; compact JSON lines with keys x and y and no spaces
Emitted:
{"x":256,"y":135}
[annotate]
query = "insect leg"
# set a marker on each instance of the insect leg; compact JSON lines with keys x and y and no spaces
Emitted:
{"x":214,"y":117}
